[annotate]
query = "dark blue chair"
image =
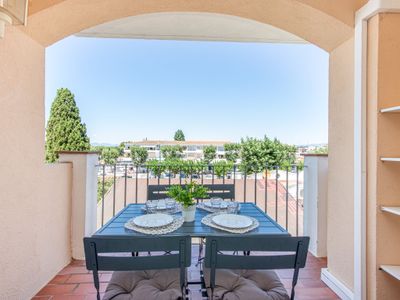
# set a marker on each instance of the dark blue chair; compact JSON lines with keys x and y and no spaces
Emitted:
{"x":282,"y":253}
{"x":114,"y":254}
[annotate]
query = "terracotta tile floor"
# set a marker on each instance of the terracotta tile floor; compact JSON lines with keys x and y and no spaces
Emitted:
{"x":75,"y":282}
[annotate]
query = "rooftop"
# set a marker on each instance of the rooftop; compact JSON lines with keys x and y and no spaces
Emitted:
{"x":183,"y":143}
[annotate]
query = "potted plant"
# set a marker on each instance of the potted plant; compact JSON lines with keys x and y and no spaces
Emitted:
{"x":186,"y":196}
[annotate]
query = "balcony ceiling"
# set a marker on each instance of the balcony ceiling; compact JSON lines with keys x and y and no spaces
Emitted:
{"x":191,"y":26}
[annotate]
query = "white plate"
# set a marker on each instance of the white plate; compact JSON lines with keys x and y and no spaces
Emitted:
{"x":153,"y":220}
{"x":232,"y":221}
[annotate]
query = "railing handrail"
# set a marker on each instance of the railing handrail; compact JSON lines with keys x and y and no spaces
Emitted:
{"x":237,"y":165}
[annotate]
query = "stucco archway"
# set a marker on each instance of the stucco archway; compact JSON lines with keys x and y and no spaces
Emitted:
{"x":48,"y":24}
{"x":46,"y":189}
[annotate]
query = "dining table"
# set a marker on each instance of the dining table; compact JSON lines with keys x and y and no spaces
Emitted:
{"x":267,"y":225}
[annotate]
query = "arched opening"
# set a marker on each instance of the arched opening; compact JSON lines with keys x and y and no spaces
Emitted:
{"x":249,"y":92}
{"x":50,"y":21}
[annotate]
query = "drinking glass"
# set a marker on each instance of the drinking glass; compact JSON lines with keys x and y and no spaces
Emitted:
{"x":171,"y":204}
{"x":161,"y":204}
{"x":233,"y":207}
{"x":215,"y":202}
{"x":151,"y":206}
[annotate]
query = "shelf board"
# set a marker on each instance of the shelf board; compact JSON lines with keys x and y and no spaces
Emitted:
{"x":391,"y":270}
{"x":392,"y":159}
{"x":391,"y":209}
{"x":394,"y":109}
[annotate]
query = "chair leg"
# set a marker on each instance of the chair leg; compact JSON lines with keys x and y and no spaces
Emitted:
{"x":96,"y":283}
{"x":201,"y":246}
{"x":294,"y":282}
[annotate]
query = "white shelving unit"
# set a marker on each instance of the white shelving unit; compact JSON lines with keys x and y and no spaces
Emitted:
{"x":392,"y":270}
{"x":390,"y":159}
{"x":391,"y":209}
{"x":394,"y":109}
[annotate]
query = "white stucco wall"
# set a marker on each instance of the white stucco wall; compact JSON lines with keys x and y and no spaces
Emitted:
{"x":34,"y":197}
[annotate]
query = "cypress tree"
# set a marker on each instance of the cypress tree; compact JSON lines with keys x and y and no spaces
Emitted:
{"x":179,"y":136}
{"x":65,"y":131}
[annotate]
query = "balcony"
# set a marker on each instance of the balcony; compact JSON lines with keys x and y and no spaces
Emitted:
{"x":282,"y":194}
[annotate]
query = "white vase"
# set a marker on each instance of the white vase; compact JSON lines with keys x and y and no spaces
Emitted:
{"x":188,"y":213}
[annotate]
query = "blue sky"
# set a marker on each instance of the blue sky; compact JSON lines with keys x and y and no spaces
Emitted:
{"x":134,"y":89}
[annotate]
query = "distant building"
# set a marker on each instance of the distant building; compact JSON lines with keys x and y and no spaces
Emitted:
{"x":306,"y":149}
{"x":192,"y":150}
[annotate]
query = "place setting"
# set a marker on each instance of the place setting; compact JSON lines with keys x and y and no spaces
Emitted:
{"x":160,"y":217}
{"x":167,"y":205}
{"x":230,"y":222}
{"x":216,"y":204}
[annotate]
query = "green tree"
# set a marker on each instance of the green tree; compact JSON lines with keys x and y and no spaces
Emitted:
{"x":257,"y":154}
{"x":110,"y":154}
{"x":171,"y":151}
{"x":209,"y":152}
{"x":232,"y":152}
{"x":179,"y":136}
{"x":65,"y":131}
{"x":173,"y":165}
{"x":108,"y":183}
{"x":156,"y":166}
{"x":139,"y":155}
{"x":221,"y":168}
{"x":97,"y":148}
{"x":121,"y":148}
{"x":254,"y":154}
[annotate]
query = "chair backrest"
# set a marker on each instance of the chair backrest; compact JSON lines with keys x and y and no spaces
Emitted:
{"x":224,"y":191}
{"x":294,"y":257}
{"x":101,"y":254}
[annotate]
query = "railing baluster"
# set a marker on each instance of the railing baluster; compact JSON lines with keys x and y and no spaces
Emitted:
{"x":255,"y":187}
{"x":136,"y":184}
{"x":234,"y":176}
{"x":212,"y":174}
{"x":245,"y":184}
{"x":147,"y":180}
{"x":126,"y":171}
{"x":276,"y":193}
{"x":202,"y":174}
{"x":180,"y":176}
{"x":158,"y":174}
{"x":114,"y":188}
{"x":102,"y":196}
{"x":287,"y":198}
{"x":297,"y":200}
{"x":266,"y":190}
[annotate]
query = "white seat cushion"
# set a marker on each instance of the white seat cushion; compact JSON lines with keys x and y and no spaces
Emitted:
{"x":246,"y":285}
{"x":147,"y":285}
